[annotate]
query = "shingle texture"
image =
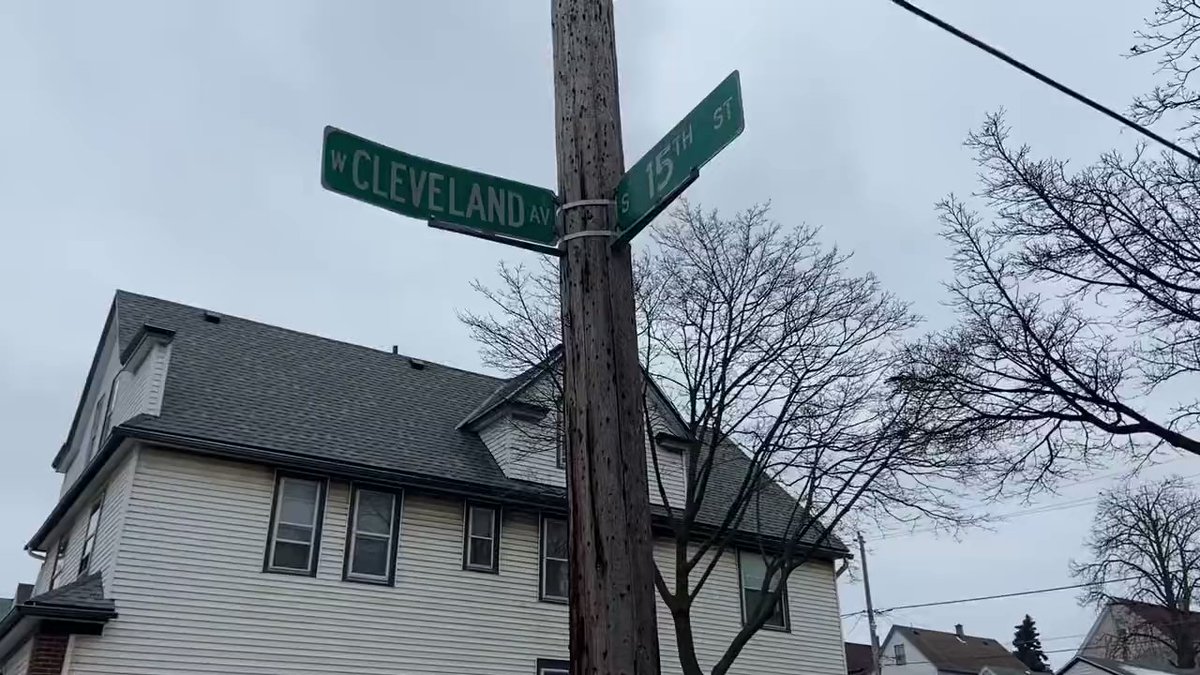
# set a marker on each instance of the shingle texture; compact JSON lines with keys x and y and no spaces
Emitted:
{"x":948,"y":652}
{"x":248,"y":383}
{"x":86,"y":592}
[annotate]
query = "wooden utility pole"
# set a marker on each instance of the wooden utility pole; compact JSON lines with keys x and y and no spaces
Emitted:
{"x":612,"y":594}
{"x":875,"y":655}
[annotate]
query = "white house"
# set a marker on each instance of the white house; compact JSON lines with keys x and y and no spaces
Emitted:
{"x":1140,"y":633}
{"x":919,"y":651}
{"x":242,"y":498}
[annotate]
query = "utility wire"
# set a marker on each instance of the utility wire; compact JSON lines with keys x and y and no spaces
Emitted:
{"x":998,"y":596}
{"x":908,"y":6}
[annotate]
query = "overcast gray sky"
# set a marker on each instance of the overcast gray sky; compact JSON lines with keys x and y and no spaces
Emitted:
{"x":172,"y":149}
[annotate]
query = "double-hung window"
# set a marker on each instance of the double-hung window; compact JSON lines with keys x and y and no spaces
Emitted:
{"x":481,"y":543}
{"x":554,"y":549}
{"x":753,"y":571}
{"x":89,"y":538}
{"x":295,"y":534}
{"x":898,"y":652}
{"x":371,"y":540}
{"x":56,"y":567}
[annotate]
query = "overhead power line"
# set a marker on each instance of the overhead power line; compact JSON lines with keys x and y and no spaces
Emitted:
{"x":908,"y":6}
{"x":998,"y":596}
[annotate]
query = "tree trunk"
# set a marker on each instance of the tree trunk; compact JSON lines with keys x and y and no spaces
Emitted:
{"x":612,"y":594}
{"x":686,"y":642}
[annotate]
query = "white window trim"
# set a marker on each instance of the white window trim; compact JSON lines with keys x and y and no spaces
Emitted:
{"x":783,"y":597}
{"x":543,"y":557}
{"x":493,"y":538}
{"x":277,"y":520}
{"x":90,"y":535}
{"x":354,"y":533}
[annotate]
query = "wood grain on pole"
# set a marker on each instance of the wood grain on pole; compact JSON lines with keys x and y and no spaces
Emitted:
{"x":612,"y":594}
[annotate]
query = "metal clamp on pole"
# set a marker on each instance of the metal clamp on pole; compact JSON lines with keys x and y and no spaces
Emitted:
{"x":584,"y":233}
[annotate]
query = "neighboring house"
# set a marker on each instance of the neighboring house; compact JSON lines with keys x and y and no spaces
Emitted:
{"x":920,"y":651}
{"x":242,"y":498}
{"x":1094,"y":665}
{"x":859,"y":660}
{"x":1139,"y":633}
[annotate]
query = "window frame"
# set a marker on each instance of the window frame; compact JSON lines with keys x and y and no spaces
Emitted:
{"x":97,"y":430}
{"x":898,"y":654}
{"x":783,"y":596}
{"x":90,"y":536}
{"x":542,"y":596}
{"x":60,"y":556}
{"x":553,"y":667}
{"x":276,"y":496}
{"x":393,"y":536}
{"x":497,"y":517}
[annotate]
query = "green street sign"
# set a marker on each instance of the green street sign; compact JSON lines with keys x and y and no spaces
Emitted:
{"x":449,"y":197}
{"x":674,"y":162}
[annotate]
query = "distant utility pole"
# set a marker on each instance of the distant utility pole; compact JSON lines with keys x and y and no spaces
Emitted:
{"x":875,"y":655}
{"x":612,"y":595}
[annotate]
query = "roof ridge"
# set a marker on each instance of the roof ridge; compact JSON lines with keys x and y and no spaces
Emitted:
{"x":122,"y":292}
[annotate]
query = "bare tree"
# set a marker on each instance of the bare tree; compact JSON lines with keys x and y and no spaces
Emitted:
{"x":1148,"y":536}
{"x":779,"y":362}
{"x":1078,"y":291}
{"x":1170,"y":34}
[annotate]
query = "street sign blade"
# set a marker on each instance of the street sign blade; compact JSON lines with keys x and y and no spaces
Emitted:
{"x":519,"y":243}
{"x":500,"y":209}
{"x":675,"y":161}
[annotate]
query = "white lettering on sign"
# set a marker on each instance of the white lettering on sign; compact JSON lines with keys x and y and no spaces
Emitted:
{"x":339,"y":160}
{"x":516,"y":209}
{"x":398,"y":170}
{"x":723,"y":113}
{"x":435,"y":191}
{"x":416,"y":184}
{"x":359,"y":154}
{"x":539,"y":215}
{"x":475,"y":202}
{"x":453,"y":211}
{"x":495,"y":206}
{"x":375,"y":185}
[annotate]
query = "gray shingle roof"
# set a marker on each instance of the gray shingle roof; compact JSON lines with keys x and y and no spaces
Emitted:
{"x":5,"y":605}
{"x":86,"y":592}
{"x":948,"y":652}
{"x":247,"y":383}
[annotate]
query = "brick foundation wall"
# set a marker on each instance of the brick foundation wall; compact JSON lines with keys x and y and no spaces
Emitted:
{"x":47,"y":655}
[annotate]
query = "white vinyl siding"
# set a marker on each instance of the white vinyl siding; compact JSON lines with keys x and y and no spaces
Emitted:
{"x":525,"y":450}
{"x":116,"y":485}
{"x":194,"y":601}
{"x":138,"y":391}
{"x":18,"y":661}
{"x":916,"y":663}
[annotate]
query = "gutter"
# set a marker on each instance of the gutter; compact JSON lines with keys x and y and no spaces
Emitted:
{"x":551,"y":500}
{"x":68,"y":612}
